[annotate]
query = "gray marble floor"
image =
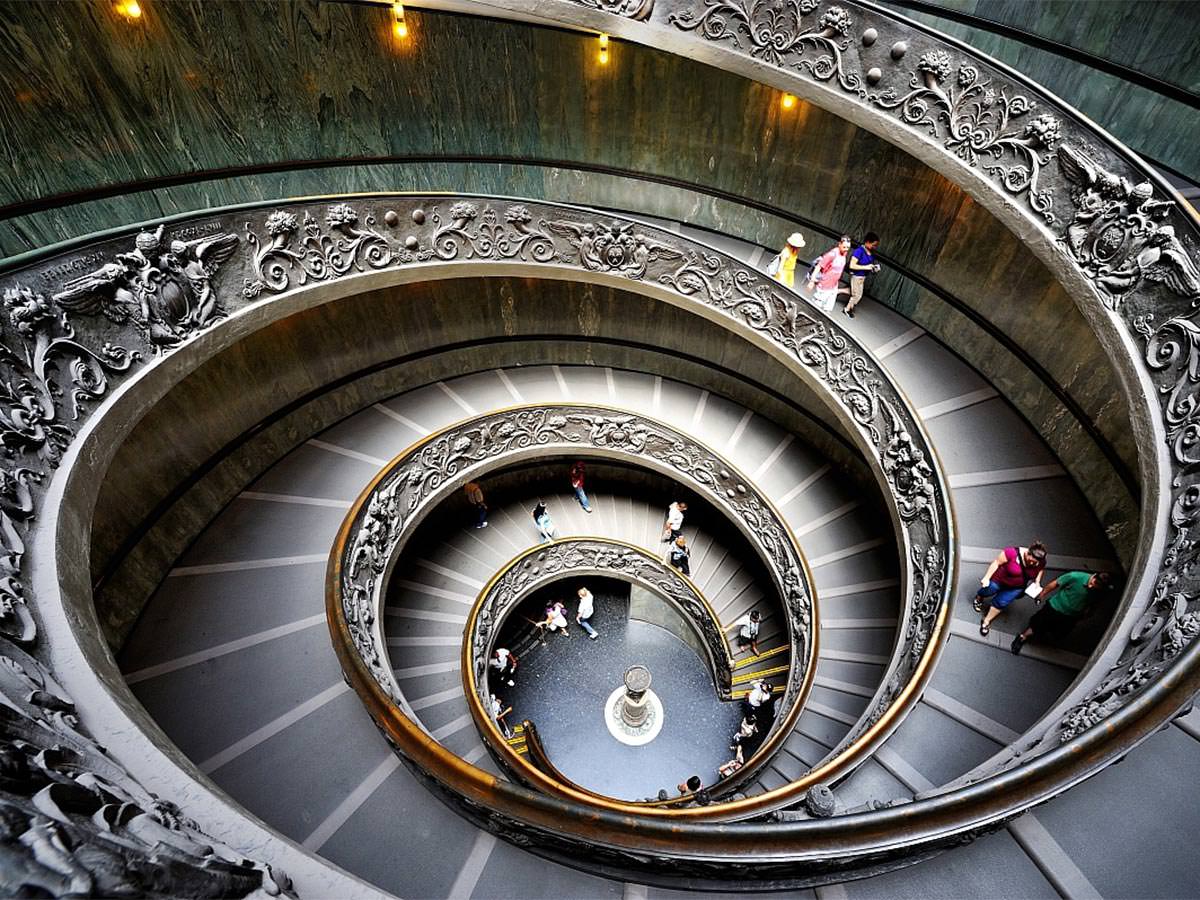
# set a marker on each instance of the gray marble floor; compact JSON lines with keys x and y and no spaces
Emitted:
{"x":563,"y":685}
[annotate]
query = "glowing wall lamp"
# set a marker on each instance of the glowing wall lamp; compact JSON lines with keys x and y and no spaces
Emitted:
{"x":130,"y":9}
{"x":603,"y":57}
{"x":788,"y":101}
{"x":399,"y":26}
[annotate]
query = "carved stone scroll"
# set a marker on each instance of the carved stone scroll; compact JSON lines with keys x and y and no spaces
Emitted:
{"x":76,"y":325}
{"x":415,"y":482}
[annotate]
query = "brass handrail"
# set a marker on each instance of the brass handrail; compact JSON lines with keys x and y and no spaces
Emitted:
{"x":368,"y":504}
{"x":475,"y":690}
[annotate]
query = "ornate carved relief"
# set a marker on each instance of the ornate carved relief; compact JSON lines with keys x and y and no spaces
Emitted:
{"x":776,"y":32}
{"x":416,"y":482}
{"x":980,"y":118}
{"x":627,"y":9}
{"x":318,"y":256}
{"x":166,"y":293}
{"x":617,"y":247}
{"x":43,"y":369}
{"x":74,"y":823}
{"x":1120,"y":234}
{"x":482,"y":236}
{"x":563,"y":557}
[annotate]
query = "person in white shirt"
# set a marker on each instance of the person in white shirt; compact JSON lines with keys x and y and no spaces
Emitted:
{"x":748,"y":626}
{"x":674,"y":524}
{"x":556,"y":618}
{"x":759,"y":703}
{"x":499,"y":711}
{"x":587,"y":606}
{"x":505,"y":664}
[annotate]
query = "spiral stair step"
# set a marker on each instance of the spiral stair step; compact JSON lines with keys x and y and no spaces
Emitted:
{"x":855,"y":577}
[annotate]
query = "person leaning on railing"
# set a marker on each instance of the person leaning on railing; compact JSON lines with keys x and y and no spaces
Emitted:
{"x":1068,"y":597}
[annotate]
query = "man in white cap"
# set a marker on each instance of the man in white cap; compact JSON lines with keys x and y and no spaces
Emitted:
{"x":783,"y":267}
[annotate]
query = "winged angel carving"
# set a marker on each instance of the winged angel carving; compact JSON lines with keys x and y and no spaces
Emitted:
{"x":166,"y":293}
{"x":1119,"y":233}
{"x":614,"y":248}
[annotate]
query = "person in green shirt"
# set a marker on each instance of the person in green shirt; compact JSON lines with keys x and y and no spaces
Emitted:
{"x":1067,"y":598}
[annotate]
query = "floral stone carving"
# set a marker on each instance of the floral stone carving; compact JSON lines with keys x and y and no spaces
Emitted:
{"x":415,"y":482}
{"x":560,"y":559}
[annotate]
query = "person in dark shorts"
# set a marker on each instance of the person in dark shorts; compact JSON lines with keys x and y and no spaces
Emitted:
{"x":680,"y":555}
{"x":1067,"y":598}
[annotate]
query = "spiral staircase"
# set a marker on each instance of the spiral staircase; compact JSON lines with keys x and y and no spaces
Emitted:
{"x":245,"y":611}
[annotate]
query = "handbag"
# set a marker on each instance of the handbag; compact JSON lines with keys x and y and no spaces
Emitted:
{"x":774,"y":265}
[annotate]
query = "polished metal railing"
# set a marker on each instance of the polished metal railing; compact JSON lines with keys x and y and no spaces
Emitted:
{"x":136,"y":307}
{"x":580,"y":557}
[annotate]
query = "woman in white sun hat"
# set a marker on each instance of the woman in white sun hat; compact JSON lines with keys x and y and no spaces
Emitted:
{"x":783,"y":267}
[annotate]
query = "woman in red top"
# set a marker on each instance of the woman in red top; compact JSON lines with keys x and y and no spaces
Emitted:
{"x":1006,"y":579}
{"x":577,"y":476}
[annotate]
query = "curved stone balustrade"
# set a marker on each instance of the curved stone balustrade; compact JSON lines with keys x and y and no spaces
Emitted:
{"x":1106,"y":224}
{"x":1100,"y":220}
{"x":385,"y":516}
{"x":108,"y":325}
{"x":580,"y":556}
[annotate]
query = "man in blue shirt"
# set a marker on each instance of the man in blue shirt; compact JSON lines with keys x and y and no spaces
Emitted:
{"x":861,"y":264}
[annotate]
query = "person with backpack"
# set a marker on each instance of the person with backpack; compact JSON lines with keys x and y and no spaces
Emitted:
{"x":783,"y":267}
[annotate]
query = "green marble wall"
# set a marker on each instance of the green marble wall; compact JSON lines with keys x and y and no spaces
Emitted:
{"x":1157,"y":37}
{"x":198,"y":87}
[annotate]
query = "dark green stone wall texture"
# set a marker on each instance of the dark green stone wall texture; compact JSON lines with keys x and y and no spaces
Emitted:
{"x":199,"y":87}
{"x":1160,"y":38}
